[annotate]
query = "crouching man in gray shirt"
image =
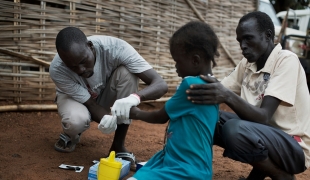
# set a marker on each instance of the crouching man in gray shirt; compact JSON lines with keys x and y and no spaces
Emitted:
{"x":97,"y":79}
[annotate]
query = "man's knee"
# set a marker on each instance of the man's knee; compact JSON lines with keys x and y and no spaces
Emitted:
{"x":241,"y":143}
{"x":230,"y":132}
{"x":122,"y":73}
{"x":75,"y":122}
{"x":121,"y":84}
{"x":125,"y":79}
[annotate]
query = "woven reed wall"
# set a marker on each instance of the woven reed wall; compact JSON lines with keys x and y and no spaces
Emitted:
{"x":29,"y":27}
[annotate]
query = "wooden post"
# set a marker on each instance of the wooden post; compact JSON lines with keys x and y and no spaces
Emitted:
{"x":72,"y":13}
{"x":42,"y":44}
{"x":98,"y":19}
{"x":17,"y":69}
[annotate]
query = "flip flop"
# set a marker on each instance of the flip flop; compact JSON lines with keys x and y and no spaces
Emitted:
{"x":255,"y":174}
{"x":128,"y":156}
{"x":64,"y":143}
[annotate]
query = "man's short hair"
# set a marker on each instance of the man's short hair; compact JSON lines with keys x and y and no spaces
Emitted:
{"x":264,"y":22}
{"x":67,"y":36}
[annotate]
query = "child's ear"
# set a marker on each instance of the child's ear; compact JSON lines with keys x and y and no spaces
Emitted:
{"x":196,"y":60}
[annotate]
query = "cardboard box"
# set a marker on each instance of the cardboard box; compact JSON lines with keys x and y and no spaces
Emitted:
{"x":92,"y":173}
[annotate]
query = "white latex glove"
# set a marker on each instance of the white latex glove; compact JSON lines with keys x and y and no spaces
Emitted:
{"x":108,"y":124}
{"x":121,"y":107}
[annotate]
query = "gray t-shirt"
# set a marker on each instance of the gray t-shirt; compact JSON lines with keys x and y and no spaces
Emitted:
{"x":111,"y":53}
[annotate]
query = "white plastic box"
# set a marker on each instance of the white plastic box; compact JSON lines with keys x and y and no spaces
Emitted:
{"x":92,"y":173}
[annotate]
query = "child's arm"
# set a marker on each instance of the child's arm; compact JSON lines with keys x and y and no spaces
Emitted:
{"x":155,"y":117}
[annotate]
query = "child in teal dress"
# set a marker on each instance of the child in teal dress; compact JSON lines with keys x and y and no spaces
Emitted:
{"x":189,"y":139}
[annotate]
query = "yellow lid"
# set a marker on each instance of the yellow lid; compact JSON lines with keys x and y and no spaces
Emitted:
{"x":110,"y":161}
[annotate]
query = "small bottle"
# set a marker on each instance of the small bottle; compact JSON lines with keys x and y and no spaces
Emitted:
{"x":109,"y":168}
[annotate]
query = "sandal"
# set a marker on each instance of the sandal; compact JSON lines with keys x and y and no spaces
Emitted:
{"x":128,"y":156}
{"x":255,"y":174}
{"x":64,"y":144}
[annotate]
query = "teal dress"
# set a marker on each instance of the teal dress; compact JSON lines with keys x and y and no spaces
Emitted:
{"x":189,"y":139}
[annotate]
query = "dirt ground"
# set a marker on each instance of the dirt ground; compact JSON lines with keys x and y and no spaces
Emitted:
{"x":27,"y":148}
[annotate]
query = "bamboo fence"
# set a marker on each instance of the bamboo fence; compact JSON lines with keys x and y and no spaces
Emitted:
{"x":28,"y":29}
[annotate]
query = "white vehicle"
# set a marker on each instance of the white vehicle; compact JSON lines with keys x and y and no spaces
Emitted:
{"x":299,"y":19}
{"x":266,"y":7}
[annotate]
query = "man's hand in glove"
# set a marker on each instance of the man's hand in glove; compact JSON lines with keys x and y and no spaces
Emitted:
{"x":108,"y":124}
{"x":121,"y":107}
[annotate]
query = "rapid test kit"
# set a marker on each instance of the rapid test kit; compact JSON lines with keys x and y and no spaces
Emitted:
{"x":109,"y":168}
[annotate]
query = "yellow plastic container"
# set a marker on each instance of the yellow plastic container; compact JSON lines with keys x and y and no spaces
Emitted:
{"x":109,"y":168}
